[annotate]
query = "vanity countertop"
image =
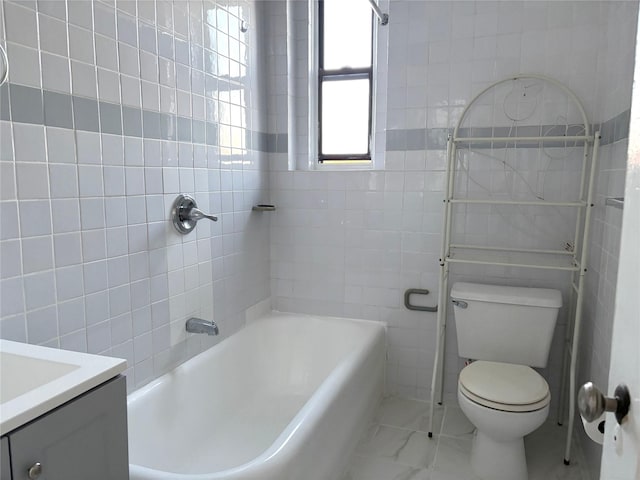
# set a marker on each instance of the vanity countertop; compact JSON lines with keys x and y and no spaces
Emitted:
{"x":35,"y":380}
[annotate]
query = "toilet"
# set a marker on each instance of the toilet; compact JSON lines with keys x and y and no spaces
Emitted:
{"x":505,"y":331}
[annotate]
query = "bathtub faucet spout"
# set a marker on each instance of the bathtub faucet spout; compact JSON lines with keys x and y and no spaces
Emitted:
{"x":198,"y":325}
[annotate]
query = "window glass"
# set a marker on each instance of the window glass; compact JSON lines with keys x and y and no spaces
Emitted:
{"x":345,"y":117}
{"x":345,"y":81}
{"x":347,"y":34}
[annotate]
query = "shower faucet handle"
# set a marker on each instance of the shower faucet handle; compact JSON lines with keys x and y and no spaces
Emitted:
{"x":592,"y":403}
{"x":197,"y":214}
{"x":185,"y":214}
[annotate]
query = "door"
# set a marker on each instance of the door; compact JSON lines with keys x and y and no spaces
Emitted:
{"x":621,"y":461}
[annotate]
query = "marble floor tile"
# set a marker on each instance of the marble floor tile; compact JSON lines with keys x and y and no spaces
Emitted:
{"x":545,"y":453}
{"x":453,"y":459}
{"x":407,"y":447}
{"x":409,"y":414}
{"x":396,"y":447}
{"x":372,"y":468}
{"x":456,"y":424}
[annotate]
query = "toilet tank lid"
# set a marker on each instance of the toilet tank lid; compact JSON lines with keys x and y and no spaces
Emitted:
{"x":534,"y":297}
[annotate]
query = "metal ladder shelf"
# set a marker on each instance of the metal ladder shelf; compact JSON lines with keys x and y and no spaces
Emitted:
{"x":572,"y":260}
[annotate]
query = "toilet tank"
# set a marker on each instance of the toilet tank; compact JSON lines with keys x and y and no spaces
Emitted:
{"x":505,"y":324}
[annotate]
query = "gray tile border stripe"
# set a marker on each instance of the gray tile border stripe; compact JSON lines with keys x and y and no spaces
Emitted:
{"x":151,"y":124}
{"x":212,"y":134}
{"x":271,"y":142}
{"x":85,"y":114}
{"x":198,"y":131}
{"x":25,"y":104}
{"x":132,"y":121}
{"x":57,"y":110}
{"x":260,"y":141}
{"x":282,"y":143}
{"x":168,"y":127}
{"x":110,"y":118}
{"x":184,"y":129}
{"x":5,"y":111}
{"x":613,"y":130}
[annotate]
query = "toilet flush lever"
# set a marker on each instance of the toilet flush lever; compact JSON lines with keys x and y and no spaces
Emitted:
{"x":592,"y":403}
{"x":460,"y":303}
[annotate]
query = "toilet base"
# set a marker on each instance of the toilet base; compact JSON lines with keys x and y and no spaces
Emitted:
{"x":493,"y":460}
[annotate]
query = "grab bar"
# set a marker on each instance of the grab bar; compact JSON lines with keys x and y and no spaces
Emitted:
{"x":417,"y":291}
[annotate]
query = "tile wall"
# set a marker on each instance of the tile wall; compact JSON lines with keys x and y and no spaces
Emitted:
{"x":350,"y":243}
{"x":112,"y":109}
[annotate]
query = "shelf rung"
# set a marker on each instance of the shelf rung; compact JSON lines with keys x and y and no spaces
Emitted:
{"x":542,"y":203}
{"x":559,"y":138}
{"x":509,"y":249}
{"x":511,"y":264}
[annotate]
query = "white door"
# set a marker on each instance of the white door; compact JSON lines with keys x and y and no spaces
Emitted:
{"x":622,"y":461}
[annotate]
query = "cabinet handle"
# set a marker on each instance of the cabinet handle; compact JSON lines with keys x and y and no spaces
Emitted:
{"x":35,"y":471}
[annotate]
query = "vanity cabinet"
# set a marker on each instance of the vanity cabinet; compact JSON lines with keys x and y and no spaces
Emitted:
{"x":85,"y":438}
{"x":5,"y":466}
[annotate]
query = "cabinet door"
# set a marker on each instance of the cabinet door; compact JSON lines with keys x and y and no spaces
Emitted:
{"x":83,"y":439}
{"x":5,"y":465}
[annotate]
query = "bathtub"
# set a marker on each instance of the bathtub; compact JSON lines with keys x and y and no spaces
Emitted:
{"x":285,"y":398}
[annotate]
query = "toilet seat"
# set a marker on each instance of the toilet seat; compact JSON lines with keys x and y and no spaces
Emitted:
{"x":504,"y":386}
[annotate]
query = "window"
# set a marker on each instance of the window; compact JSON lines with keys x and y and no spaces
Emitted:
{"x":345,"y":81}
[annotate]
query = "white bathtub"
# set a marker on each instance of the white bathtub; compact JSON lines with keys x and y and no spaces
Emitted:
{"x":286,"y":398}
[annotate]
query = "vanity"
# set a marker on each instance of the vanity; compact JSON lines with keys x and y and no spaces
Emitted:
{"x":63,"y":415}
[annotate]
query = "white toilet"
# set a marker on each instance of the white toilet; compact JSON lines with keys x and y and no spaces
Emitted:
{"x":506,"y":330}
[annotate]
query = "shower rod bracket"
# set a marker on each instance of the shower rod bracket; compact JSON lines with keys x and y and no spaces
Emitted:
{"x":383,"y":17}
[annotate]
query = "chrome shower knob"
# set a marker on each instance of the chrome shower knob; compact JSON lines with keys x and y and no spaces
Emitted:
{"x":185,"y":214}
{"x":592,"y":403}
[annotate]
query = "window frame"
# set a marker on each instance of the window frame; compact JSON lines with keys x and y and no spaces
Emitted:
{"x":343,"y":74}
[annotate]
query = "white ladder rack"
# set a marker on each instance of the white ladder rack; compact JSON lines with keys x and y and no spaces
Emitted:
{"x":573,"y":260}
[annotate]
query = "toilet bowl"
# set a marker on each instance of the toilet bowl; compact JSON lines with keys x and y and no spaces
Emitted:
{"x":505,"y":402}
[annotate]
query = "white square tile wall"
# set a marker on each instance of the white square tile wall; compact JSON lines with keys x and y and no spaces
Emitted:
{"x":113,"y":108}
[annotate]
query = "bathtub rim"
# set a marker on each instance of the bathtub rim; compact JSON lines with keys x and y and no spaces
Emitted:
{"x":134,"y":395}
